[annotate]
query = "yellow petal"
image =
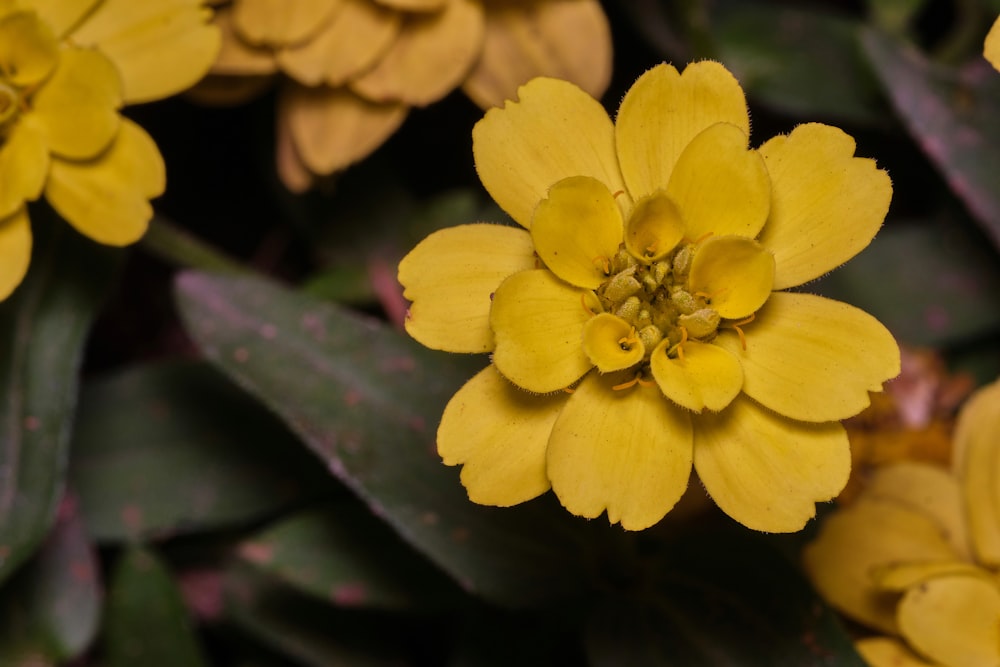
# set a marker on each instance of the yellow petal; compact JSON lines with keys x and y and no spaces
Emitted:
{"x":977,"y":465}
{"x":350,"y":43}
{"x":930,"y":490}
{"x":954,"y":621}
{"x":812,"y":358}
{"x":991,"y":47}
{"x":555,"y":131}
{"x":562,"y":39}
{"x":292,"y":170}
{"x":855,"y":540}
{"x":736,"y":273}
{"x":899,"y":576}
{"x":430,"y":57}
{"x":707,"y":376}
{"x":766,"y":471}
{"x":611,"y":343}
{"x":719,"y":185}
{"x":414,"y":5}
{"x":627,"y":451}
{"x":61,"y":15}
{"x":577,"y":230}
{"x":107,"y":198}
{"x":76,"y":108}
{"x":450,"y":277}
{"x":654,"y":227}
{"x":15,"y":250}
{"x":24,"y":164}
{"x":159,"y":48}
{"x":537,"y":322}
{"x":499,"y":434}
{"x":664,"y":111}
{"x":334,"y":128}
{"x":888,"y":652}
{"x":236,"y":56}
{"x":281,"y":23}
{"x":28,"y":49}
{"x":826,"y":204}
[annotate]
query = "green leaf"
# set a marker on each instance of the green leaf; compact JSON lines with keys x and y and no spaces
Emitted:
{"x":932,"y":282}
{"x":341,"y":554}
{"x":147,"y":623}
{"x":43,"y":326}
{"x":365,"y":398}
{"x":720,"y":598}
{"x":174,"y":448}
{"x":952,"y":114}
{"x":51,"y":607}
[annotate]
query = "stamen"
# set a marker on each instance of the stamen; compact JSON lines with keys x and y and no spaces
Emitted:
{"x":583,"y":302}
{"x":628,"y":341}
{"x":569,"y":390}
{"x":679,"y":347}
{"x":626,"y":385}
{"x":739,"y":331}
{"x":603,"y":263}
{"x":618,"y":194}
{"x":645,"y":383}
{"x":701,"y":238}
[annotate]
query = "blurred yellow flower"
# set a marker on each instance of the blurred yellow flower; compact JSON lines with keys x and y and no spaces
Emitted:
{"x":355,"y":67}
{"x":991,"y":48}
{"x":65,"y":70}
{"x":916,"y":556}
{"x":655,"y":249}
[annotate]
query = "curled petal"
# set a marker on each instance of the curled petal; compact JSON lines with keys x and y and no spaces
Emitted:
{"x":555,"y":131}
{"x":237,"y":57}
{"x":576,"y":231}
{"x":813,"y":359}
{"x":15,"y":250}
{"x":720,"y":186}
{"x":107,"y":198}
{"x":991,"y":47}
{"x":499,"y":434}
{"x":977,"y":465}
{"x":627,"y":451}
{"x":888,"y":652}
{"x":28,"y":49}
{"x":735,"y":272}
{"x":899,"y":576}
{"x":282,"y":23}
{"x":767,"y":471}
{"x":450,"y":277}
{"x":24,"y":164}
{"x":663,"y":111}
{"x":61,"y":15}
{"x":826,"y":204}
{"x":537,"y":323}
{"x":707,"y":376}
{"x":611,"y":343}
{"x":654,"y":228}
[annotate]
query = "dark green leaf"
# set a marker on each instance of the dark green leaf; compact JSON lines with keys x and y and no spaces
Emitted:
{"x":147,"y":623}
{"x":952,"y":114}
{"x":51,"y":607}
{"x":43,"y":326}
{"x":365,"y":398}
{"x":343,"y":555}
{"x":174,"y":447}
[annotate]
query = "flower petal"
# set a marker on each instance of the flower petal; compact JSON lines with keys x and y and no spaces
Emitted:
{"x":826,"y":204}
{"x":736,"y":273}
{"x":766,"y":471}
{"x":237,"y":57}
{"x":977,"y":465}
{"x":430,"y":57}
{"x":333,"y":127}
{"x":76,"y":108}
{"x":107,"y":198}
{"x":562,"y":39}
{"x":24,"y":164}
{"x":664,"y":111}
{"x":901,"y":575}
{"x":720,"y":186}
{"x":707,"y":376}
{"x":577,"y":229}
{"x":991,"y":47}
{"x":282,"y":23}
{"x":61,"y":15}
{"x":812,"y":358}
{"x":28,"y":49}
{"x":858,"y":538}
{"x":292,"y":170}
{"x":888,"y":652}
{"x":350,"y":43}
{"x":626,"y":451}
{"x":953,"y":620}
{"x":555,"y":131}
{"x":414,"y":5}
{"x":537,"y":323}
{"x":160,"y":48}
{"x":15,"y":250}
{"x":499,"y":434}
{"x":450,"y":277}
{"x":611,"y":343}
{"x":654,"y":227}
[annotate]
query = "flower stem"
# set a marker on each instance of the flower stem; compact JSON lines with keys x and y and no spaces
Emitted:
{"x":165,"y":240}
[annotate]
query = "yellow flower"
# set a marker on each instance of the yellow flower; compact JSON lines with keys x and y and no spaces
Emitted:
{"x":654,"y":249}
{"x":991,"y":48}
{"x":65,"y":70}
{"x":354,"y":68}
{"x":916,"y":557}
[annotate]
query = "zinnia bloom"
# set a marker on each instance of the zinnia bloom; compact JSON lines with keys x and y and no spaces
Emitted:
{"x":991,"y":48}
{"x":638,"y":322}
{"x":354,"y":68}
{"x":916,"y":556}
{"x":66,"y":68}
